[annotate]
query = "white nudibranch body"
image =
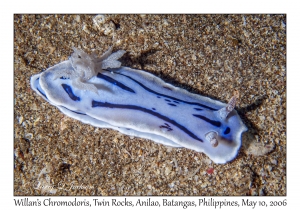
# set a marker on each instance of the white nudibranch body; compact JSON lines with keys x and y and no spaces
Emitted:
{"x":102,"y":93}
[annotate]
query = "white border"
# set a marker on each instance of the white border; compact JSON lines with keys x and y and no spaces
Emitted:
{"x":9,"y":8}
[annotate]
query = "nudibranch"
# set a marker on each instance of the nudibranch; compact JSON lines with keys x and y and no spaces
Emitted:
{"x":100,"y":92}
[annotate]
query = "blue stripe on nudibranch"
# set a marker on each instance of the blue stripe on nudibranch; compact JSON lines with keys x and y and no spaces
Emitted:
{"x":227,"y":130}
{"x":41,"y":92}
{"x":73,"y":111}
{"x":68,"y":90}
{"x":115,"y":82}
{"x":166,"y":96}
{"x":212,"y":122}
{"x":167,"y":126}
{"x":172,"y":104}
{"x":156,"y":114}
